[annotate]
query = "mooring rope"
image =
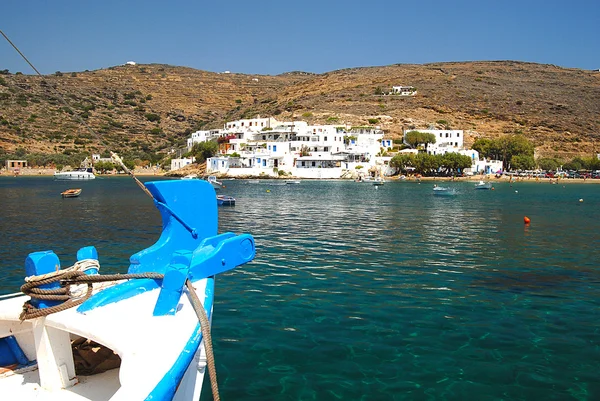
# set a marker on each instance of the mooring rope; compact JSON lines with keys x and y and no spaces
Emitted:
{"x":205,"y":327}
{"x":75,"y":275}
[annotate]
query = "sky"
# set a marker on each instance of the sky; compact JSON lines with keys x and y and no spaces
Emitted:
{"x":273,"y":37}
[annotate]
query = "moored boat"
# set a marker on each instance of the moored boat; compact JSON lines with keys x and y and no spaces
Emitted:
{"x":443,"y":191}
{"x":483,"y":185}
{"x":225,"y":200}
{"x":214,"y":182}
{"x":71,"y":193}
{"x":77,"y":174}
{"x":143,"y":324}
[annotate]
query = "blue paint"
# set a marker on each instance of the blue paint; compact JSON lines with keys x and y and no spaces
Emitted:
{"x":173,"y":284}
{"x":193,"y":201}
{"x":221,"y":253}
{"x":38,"y":263}
{"x":16,"y":350}
{"x":166,"y":388}
{"x":88,"y":252}
{"x":118,"y":293}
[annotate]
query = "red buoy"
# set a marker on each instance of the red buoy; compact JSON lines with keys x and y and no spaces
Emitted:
{"x":526,"y":220}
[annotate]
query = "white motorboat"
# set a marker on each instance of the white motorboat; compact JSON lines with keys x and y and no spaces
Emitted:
{"x":77,"y":174}
{"x":483,"y":185}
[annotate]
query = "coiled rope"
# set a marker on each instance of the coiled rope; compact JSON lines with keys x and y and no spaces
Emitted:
{"x":76,"y":275}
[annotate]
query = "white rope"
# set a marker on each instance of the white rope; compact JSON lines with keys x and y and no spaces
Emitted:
{"x":80,"y":265}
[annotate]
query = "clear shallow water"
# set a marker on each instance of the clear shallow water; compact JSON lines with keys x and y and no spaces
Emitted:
{"x":359,"y":293}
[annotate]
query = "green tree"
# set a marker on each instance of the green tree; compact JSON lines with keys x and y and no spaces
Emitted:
{"x":452,"y":162}
{"x":203,"y":150}
{"x":548,"y":163}
{"x":402,"y":161}
{"x":416,"y":138}
{"x":522,"y":162}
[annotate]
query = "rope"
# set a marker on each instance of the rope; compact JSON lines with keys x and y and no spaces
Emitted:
{"x":75,"y":275}
{"x":67,"y":276}
{"x":205,"y":327}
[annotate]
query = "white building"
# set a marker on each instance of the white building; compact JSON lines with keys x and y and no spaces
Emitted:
{"x":265,"y":146}
{"x":403,"y":91}
{"x":445,"y":140}
{"x":176,"y":164}
{"x":202,"y":136}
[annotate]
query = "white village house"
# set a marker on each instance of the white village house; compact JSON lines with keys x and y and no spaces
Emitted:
{"x":267,"y":147}
{"x":447,"y":141}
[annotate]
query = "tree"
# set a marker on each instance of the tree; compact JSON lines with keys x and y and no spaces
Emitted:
{"x":415,"y":138}
{"x":203,"y":150}
{"x":454,"y":162}
{"x":403,"y":161}
{"x":522,"y":162}
{"x":547,"y":163}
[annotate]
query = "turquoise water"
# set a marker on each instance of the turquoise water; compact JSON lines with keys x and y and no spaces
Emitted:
{"x":360,"y":293}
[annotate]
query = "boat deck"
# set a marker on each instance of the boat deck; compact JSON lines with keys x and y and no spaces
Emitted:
{"x":26,"y":385}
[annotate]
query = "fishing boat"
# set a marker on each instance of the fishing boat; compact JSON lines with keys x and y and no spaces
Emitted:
{"x":225,"y":200}
{"x":75,"y":334}
{"x":84,"y":173}
{"x":483,"y":185}
{"x":292,"y":182}
{"x":71,"y":193}
{"x":443,"y":191}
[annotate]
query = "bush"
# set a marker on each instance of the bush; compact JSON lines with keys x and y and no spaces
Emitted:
{"x":373,"y":120}
{"x":152,"y":117}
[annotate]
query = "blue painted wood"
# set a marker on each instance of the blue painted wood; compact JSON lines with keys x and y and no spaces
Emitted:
{"x":173,"y":283}
{"x":166,"y":388}
{"x":194,"y":202}
{"x":119,"y":293}
{"x":88,"y":252}
{"x":38,"y":263}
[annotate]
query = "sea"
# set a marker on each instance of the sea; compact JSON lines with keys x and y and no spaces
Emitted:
{"x":360,"y":292}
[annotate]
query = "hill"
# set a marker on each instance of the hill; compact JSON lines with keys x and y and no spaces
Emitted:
{"x":144,"y":109}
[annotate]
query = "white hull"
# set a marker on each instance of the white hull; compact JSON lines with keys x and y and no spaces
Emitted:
{"x":74,"y":175}
{"x":122,"y":327}
{"x":151,"y":324}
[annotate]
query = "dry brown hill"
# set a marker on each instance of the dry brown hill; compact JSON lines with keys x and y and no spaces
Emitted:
{"x":153,"y":108}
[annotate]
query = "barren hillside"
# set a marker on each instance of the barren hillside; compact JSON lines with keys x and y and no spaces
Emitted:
{"x":152,"y":108}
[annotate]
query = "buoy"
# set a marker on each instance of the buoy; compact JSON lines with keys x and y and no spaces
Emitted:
{"x":493,"y":189}
{"x":526,"y":220}
{"x":516,"y":192}
{"x":580,"y":200}
{"x":268,"y":190}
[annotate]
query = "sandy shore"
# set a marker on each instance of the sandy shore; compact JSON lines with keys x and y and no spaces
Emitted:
{"x":474,"y":179}
{"x":504,"y":178}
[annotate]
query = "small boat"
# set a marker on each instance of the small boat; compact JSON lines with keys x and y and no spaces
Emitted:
{"x":71,"y":193}
{"x":77,"y":174}
{"x":190,"y":177}
{"x":213,"y":181}
{"x":443,"y":191}
{"x":225,"y":200}
{"x":133,"y":336}
{"x":378,"y":181}
{"x":291,"y":182}
{"x":483,"y":185}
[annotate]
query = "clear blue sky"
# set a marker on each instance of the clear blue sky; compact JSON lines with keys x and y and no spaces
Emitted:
{"x":272,"y":37}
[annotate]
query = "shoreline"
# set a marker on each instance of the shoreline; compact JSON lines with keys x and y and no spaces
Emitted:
{"x":31,"y":172}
